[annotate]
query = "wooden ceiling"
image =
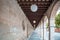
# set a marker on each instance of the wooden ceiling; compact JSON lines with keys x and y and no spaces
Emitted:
{"x":34,"y":16}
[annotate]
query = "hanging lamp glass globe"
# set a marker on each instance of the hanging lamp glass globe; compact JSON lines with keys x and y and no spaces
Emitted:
{"x":34,"y":8}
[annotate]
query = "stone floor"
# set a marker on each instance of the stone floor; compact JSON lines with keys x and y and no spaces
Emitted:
{"x":36,"y":36}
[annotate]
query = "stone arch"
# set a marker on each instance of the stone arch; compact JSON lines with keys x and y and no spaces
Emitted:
{"x":52,"y":18}
{"x":54,"y":12}
{"x":48,"y":12}
{"x":55,"y":9}
{"x":45,"y":20}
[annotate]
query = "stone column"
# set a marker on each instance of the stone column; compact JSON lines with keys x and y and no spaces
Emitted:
{"x":43,"y":27}
{"x":27,"y":30}
{"x":49,"y":27}
{"x":52,"y":25}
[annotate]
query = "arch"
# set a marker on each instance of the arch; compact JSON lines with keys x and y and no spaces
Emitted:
{"x":52,"y":19}
{"x":54,"y":11}
{"x":45,"y":19}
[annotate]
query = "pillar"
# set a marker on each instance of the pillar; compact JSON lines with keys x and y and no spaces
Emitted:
{"x":43,"y":27}
{"x":52,"y":25}
{"x":49,"y":27}
{"x":27,"y":30}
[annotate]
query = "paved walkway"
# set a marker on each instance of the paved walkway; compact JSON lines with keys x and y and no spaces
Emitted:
{"x":34,"y":36}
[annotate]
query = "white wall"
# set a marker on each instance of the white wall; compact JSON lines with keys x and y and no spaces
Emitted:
{"x":11,"y":17}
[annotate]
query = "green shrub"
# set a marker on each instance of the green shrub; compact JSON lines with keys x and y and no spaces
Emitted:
{"x":57,"y":21}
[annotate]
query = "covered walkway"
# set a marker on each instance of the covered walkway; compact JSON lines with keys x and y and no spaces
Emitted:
{"x":29,"y":19}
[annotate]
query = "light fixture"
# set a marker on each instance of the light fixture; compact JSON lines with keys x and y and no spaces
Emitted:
{"x":34,"y":21}
{"x":34,"y":7}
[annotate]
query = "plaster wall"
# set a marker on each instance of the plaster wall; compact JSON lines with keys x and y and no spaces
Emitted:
{"x":11,"y":21}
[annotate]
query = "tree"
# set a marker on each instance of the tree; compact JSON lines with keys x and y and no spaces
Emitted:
{"x":57,"y":21}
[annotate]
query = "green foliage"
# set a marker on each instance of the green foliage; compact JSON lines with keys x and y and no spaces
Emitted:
{"x":46,"y":25}
{"x":57,"y":21}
